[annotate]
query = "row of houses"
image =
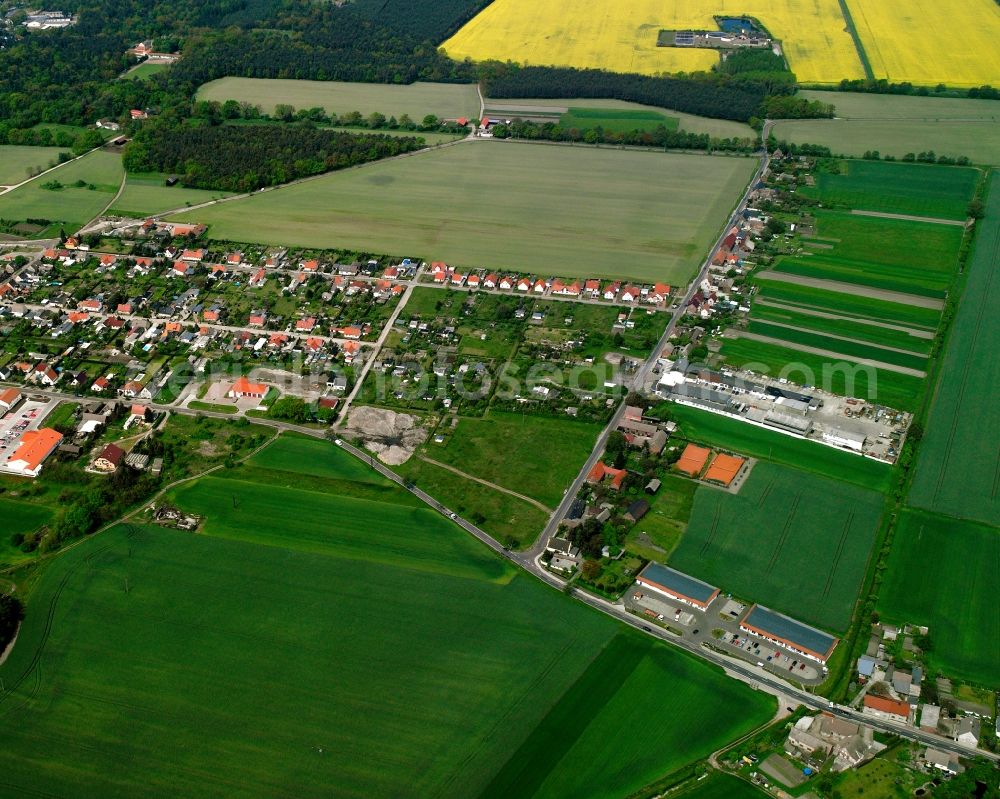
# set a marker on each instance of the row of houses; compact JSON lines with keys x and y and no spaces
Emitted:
{"x":611,"y":291}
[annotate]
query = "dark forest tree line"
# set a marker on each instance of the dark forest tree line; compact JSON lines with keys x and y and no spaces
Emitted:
{"x":659,"y":136}
{"x":248,"y":157}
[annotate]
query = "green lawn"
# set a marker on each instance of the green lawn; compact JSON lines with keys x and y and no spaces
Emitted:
{"x":918,"y":189}
{"x":659,"y":531}
{"x":392,"y":633}
{"x":616,"y":120}
{"x":311,"y":456}
{"x":719,"y":128}
{"x":537,"y":456}
{"x":957,"y":469}
{"x":571,"y":211}
{"x":945,"y":574}
{"x":880,"y":253}
{"x":836,"y":375}
{"x":69,"y":206}
{"x":847,"y":328}
{"x":445,"y":100}
{"x":146,"y":70}
{"x":851,"y":305}
{"x":810,"y":456}
{"x":148,"y":194}
{"x":790,"y":540}
{"x":20,"y":163}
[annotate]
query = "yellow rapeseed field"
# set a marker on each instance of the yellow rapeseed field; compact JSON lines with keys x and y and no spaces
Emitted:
{"x":956,"y":42}
{"x":620,"y":35}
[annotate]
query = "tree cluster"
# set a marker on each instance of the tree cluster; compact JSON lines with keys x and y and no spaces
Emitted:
{"x":702,"y":93}
{"x":11,"y":614}
{"x":658,"y":137}
{"x":433,"y":22}
{"x":248,"y":157}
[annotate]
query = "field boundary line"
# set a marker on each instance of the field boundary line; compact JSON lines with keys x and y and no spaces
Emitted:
{"x":931,"y":220}
{"x":794,"y":345}
{"x":856,"y":37}
{"x":486,"y":483}
{"x":838,"y":337}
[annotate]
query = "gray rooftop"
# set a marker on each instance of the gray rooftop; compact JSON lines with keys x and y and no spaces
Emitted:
{"x":681,"y":583}
{"x":781,"y":626}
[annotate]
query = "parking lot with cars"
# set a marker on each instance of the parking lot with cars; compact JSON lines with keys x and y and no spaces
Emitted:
{"x":29,"y":415}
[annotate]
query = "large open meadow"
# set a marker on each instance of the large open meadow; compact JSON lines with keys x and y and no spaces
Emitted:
{"x":791,"y":540}
{"x":549,"y":452}
{"x":444,"y":100}
{"x":928,"y":42}
{"x":958,"y":471}
{"x":66,"y":204}
{"x":899,"y":124}
{"x":573,"y":211}
{"x":918,"y":189}
{"x":382,"y":659}
{"x":148,"y":194}
{"x":622,"y":36}
{"x":20,"y":163}
{"x":946,"y":574}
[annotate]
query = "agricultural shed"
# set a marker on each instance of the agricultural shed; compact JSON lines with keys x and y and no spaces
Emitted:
{"x":780,"y":629}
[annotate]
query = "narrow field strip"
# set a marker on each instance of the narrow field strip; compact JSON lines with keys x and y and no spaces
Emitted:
{"x":889,"y":367}
{"x":848,"y":288}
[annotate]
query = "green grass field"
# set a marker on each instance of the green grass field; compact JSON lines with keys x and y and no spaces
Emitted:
{"x":791,"y":540}
{"x":834,"y":374}
{"x":854,"y":329}
{"x":147,"y":194}
{"x":572,"y":211}
{"x":504,"y":517}
{"x":69,"y":206}
{"x":975,"y":139}
{"x":720,"y":786}
{"x":405,"y":639}
{"x":880,"y":253}
{"x":720,"y":128}
{"x":444,"y":100}
{"x":534,"y":455}
{"x":810,"y":456}
{"x":20,"y":163}
{"x":957,"y":469}
{"x":946,"y":574}
{"x":900,"y":124}
{"x":19,"y":517}
{"x":917,"y":189}
{"x":619,"y":682}
{"x":659,"y":531}
{"x":617,"y":120}
{"x":848,"y":348}
{"x":146,"y":70}
{"x":850,"y":305}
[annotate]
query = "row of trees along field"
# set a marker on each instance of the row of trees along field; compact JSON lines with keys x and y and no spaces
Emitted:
{"x":658,"y":137}
{"x":248,"y":157}
{"x":717,"y":94}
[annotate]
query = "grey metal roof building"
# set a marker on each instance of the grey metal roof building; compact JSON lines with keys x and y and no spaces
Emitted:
{"x":678,"y":585}
{"x":793,"y":634}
